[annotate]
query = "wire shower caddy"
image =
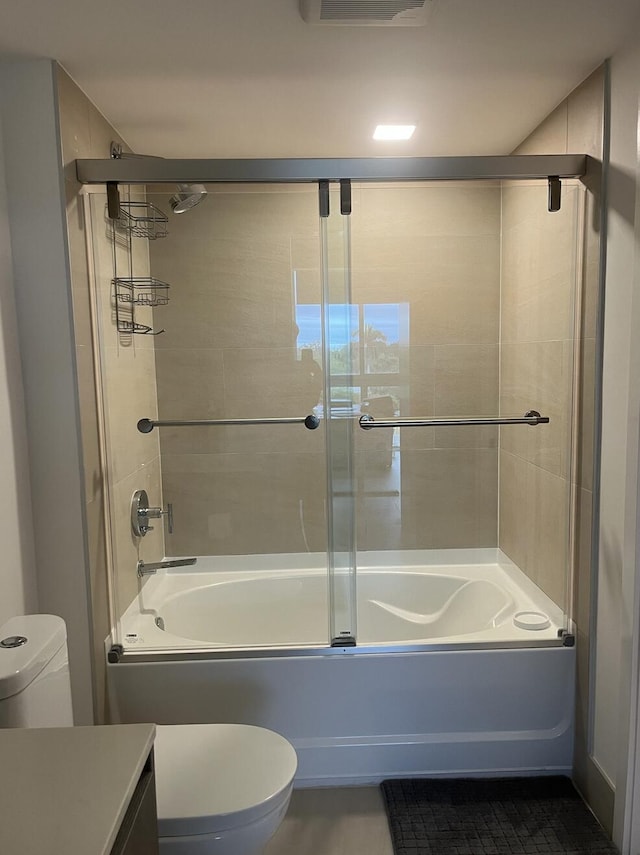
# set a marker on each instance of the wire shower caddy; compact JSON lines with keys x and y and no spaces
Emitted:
{"x":142,"y":219}
{"x":137,"y":291}
{"x":141,"y":291}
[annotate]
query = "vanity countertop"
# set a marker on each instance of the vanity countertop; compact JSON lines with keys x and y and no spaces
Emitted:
{"x":65,"y":790}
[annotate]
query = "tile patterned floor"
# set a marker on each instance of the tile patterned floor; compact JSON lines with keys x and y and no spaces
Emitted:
{"x":337,"y":821}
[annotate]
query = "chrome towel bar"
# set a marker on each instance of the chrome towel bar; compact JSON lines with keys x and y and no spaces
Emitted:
{"x":532,"y":417}
{"x":311,"y":422}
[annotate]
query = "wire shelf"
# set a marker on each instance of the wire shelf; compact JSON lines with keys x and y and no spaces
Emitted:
{"x":142,"y":219}
{"x":138,"y":329}
{"x":142,"y":291}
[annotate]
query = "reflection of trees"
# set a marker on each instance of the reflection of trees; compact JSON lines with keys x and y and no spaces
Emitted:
{"x":371,"y":336}
{"x":381,"y":357}
{"x":342,"y":358}
{"x":316,"y":349}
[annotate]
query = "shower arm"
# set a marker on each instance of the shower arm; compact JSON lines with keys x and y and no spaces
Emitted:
{"x":311,"y":422}
{"x":116,"y":153}
{"x":532,"y":417}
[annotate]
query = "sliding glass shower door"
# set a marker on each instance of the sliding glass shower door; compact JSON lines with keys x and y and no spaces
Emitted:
{"x":340,"y":331}
{"x":237,"y":345}
{"x":233,"y":342}
{"x":426,"y":276}
{"x":466,"y":295}
{"x":361,"y":307}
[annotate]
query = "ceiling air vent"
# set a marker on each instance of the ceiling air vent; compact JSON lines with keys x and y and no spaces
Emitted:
{"x":366,"y":13}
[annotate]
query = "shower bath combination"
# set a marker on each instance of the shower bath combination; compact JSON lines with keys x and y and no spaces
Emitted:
{"x":389,"y":588}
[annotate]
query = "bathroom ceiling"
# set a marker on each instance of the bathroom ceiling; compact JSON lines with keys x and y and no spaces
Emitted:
{"x":249,"y":78}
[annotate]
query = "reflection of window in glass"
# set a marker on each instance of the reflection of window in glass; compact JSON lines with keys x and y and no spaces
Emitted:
{"x":342,"y":335}
{"x":309,"y":329}
{"x":380,"y":335}
{"x":366,"y":344}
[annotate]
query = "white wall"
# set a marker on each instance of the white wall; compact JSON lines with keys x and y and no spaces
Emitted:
{"x":39,"y":246}
{"x":17,"y":568}
{"x":618,"y":525}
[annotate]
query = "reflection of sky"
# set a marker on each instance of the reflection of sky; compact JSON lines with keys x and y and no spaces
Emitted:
{"x":343,"y":322}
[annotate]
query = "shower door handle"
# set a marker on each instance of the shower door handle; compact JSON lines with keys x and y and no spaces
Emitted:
{"x":532,"y":417}
{"x":311,"y":422}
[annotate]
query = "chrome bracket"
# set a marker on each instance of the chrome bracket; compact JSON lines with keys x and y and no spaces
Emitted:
{"x":555,"y":193}
{"x":115,"y":653}
{"x":323,"y":198}
{"x":345,"y":196}
{"x":113,"y":200}
{"x":568,"y":638}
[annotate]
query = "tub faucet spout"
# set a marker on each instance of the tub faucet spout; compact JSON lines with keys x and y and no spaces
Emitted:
{"x":148,"y":569}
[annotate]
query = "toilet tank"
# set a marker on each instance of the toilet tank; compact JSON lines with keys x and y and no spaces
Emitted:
{"x":35,"y":687}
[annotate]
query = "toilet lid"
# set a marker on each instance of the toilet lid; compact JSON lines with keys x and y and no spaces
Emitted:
{"x":211,"y":777}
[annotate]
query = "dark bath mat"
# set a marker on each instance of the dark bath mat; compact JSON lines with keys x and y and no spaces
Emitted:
{"x":493,"y":816}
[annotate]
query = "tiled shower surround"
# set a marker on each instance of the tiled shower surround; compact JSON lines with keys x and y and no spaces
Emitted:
{"x":539,"y":287}
{"x":484,"y":277}
{"x":480,"y":279}
{"x":239,"y":263}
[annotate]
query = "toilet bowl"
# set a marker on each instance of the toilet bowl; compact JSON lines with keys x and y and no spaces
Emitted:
{"x":222,"y":789}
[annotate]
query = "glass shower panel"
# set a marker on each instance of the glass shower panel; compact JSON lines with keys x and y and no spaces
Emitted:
{"x":340,"y":320}
{"x":231,"y":339}
{"x":465,"y":299}
{"x":541,"y":344}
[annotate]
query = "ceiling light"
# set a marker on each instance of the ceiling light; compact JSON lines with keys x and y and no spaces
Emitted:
{"x":393,"y":132}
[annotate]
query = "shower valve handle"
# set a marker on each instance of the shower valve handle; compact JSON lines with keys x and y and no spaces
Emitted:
{"x":141,"y":513}
{"x":157,"y":513}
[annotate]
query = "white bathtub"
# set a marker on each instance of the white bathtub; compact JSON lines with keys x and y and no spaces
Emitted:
{"x":444,"y":680}
{"x":470,"y":596}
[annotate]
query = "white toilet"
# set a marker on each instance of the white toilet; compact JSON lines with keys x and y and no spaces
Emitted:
{"x":222,"y":789}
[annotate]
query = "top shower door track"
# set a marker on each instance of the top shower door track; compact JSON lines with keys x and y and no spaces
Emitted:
{"x":238,"y":171}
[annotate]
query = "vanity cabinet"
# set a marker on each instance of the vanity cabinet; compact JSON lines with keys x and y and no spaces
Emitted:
{"x":78,"y":791}
{"x":138,"y":834}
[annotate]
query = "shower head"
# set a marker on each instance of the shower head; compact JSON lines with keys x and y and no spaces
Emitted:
{"x":188,"y":196}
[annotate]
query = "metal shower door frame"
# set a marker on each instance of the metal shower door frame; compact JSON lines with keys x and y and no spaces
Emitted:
{"x":310,"y":170}
{"x":322,"y":171}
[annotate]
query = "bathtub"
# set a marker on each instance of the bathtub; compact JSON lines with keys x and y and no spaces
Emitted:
{"x":459,"y":667}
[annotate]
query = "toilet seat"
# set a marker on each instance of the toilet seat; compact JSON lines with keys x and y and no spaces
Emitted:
{"x":213,"y":777}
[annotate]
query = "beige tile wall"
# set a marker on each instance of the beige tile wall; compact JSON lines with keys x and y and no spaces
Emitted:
{"x":129,"y":393}
{"x":576,"y":126}
{"x":229,"y":352}
{"x":134,"y":463}
{"x":539,"y":284}
{"x":435,"y":248}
